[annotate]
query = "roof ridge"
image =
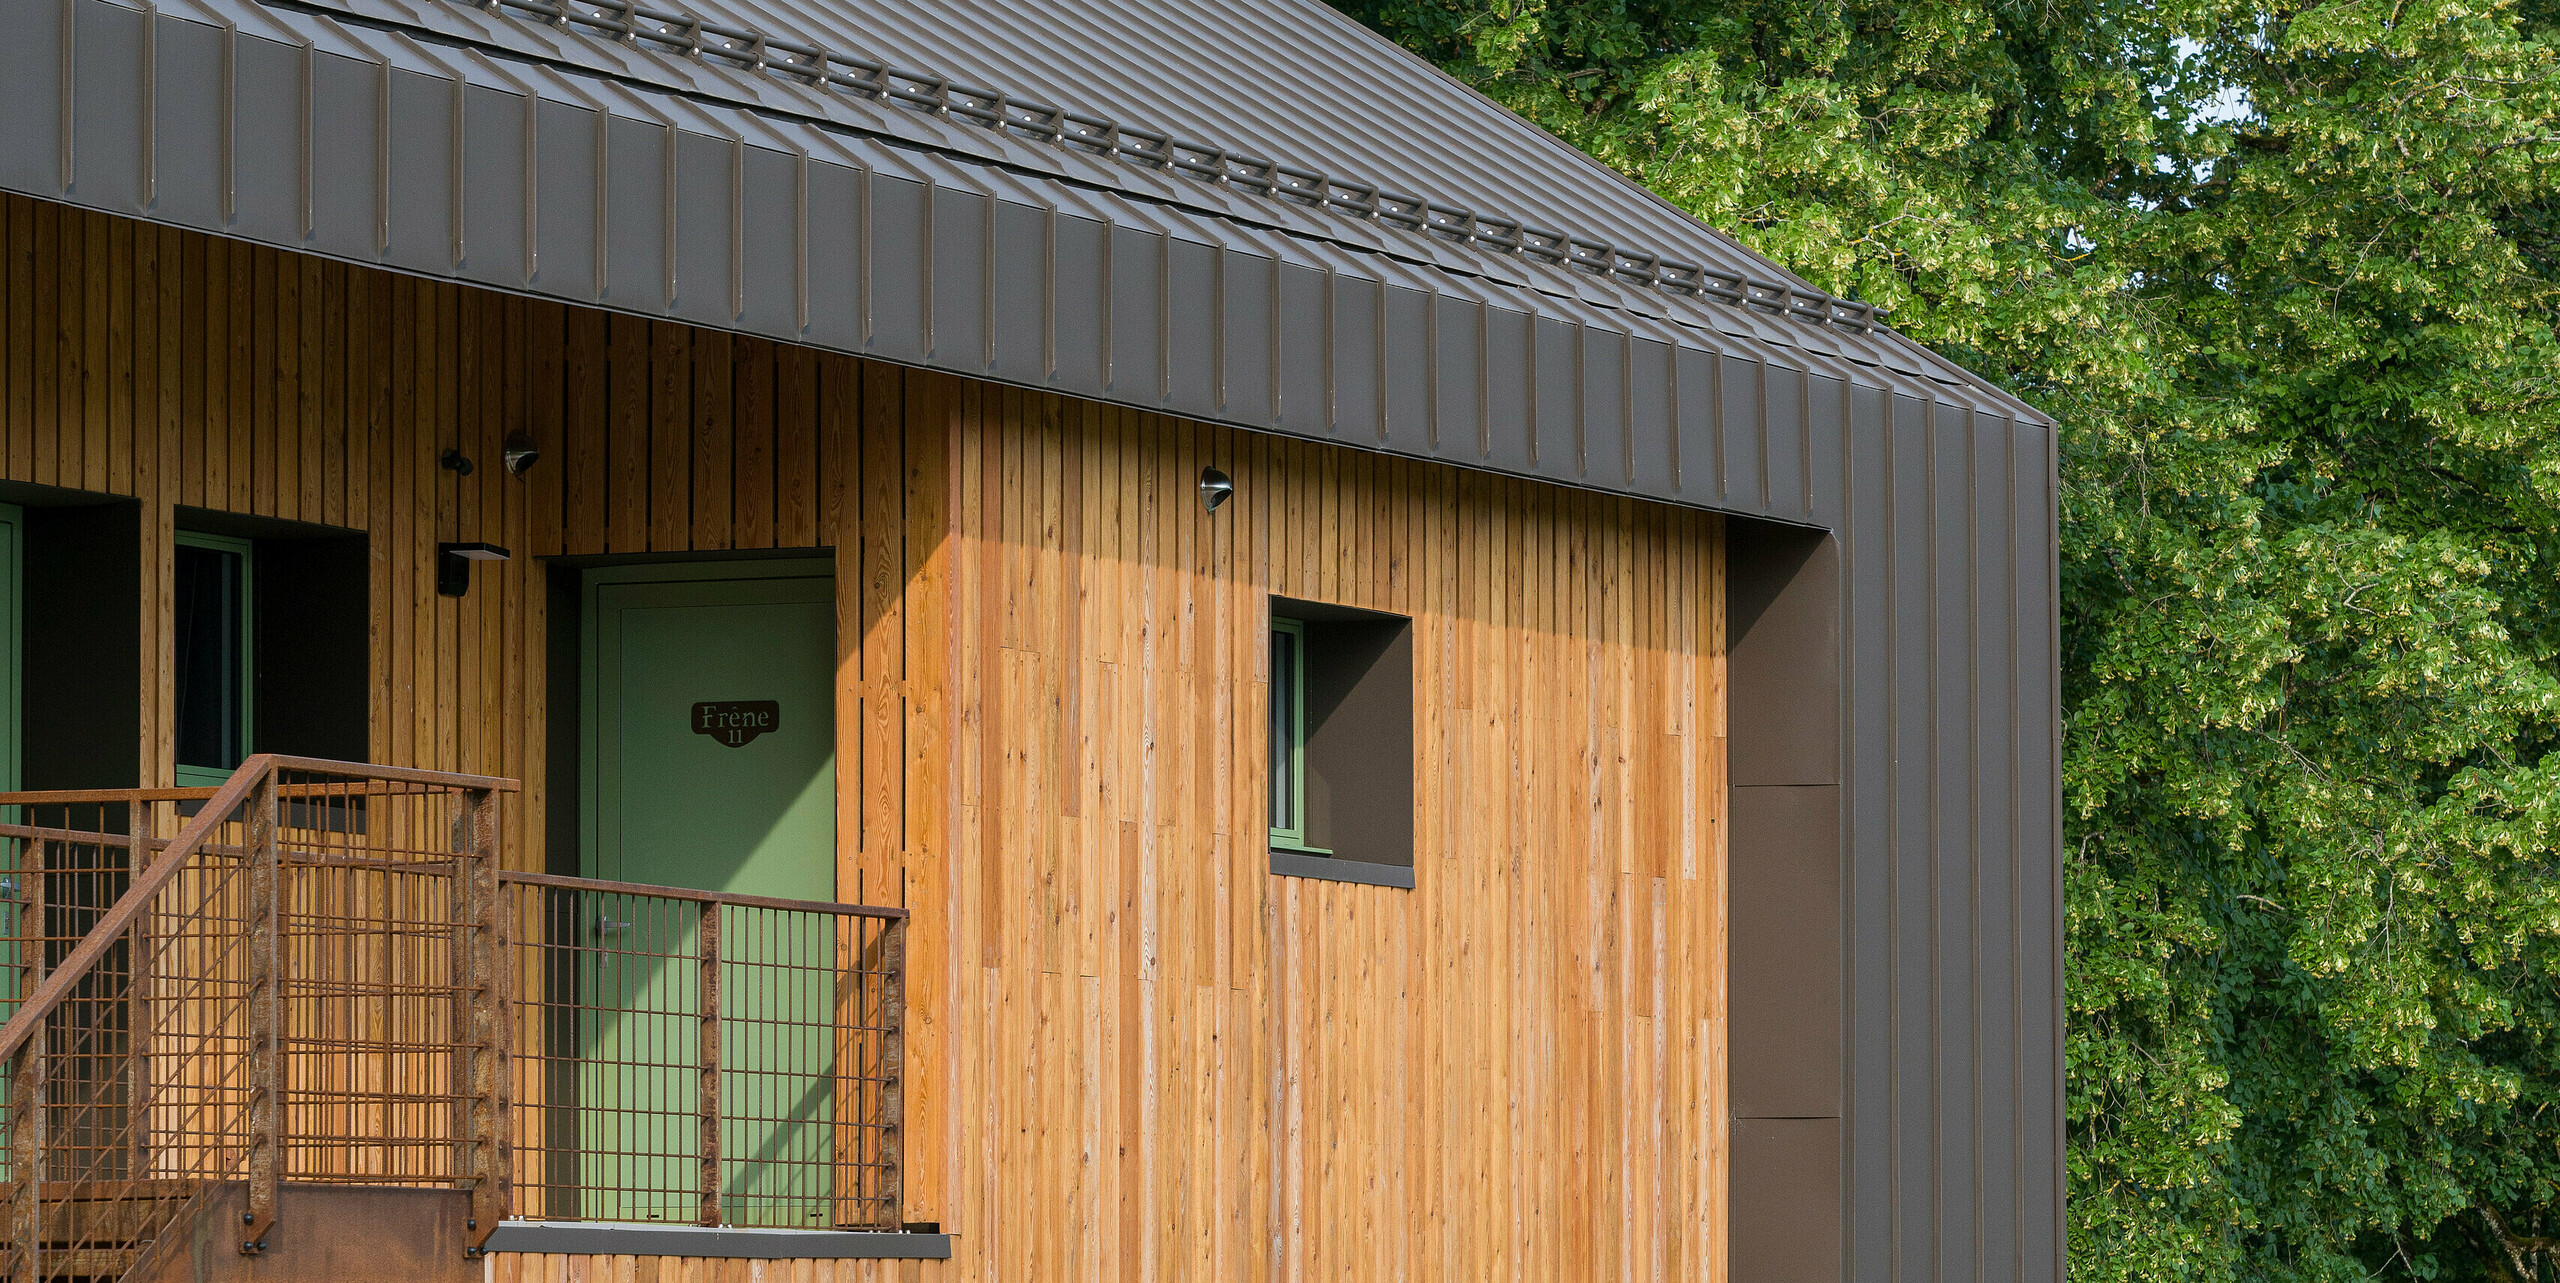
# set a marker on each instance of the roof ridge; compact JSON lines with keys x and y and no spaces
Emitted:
{"x":690,"y":34}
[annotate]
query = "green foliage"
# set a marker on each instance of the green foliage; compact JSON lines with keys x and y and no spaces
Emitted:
{"x":2288,"y":276}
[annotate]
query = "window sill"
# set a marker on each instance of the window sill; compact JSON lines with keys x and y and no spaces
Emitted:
{"x":1326,"y":868}
{"x":606,"y":1238}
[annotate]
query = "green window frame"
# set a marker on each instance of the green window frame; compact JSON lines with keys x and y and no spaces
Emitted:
{"x":234,"y":745}
{"x":13,"y":529}
{"x":1286,"y":769}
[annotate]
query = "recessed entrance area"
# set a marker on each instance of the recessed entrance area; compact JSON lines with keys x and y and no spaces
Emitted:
{"x":707,"y":743}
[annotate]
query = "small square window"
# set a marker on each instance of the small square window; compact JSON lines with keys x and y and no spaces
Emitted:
{"x":1340,"y":749}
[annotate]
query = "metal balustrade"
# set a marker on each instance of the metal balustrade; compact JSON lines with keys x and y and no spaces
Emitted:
{"x":710,"y":1059}
{"x":320,"y":972}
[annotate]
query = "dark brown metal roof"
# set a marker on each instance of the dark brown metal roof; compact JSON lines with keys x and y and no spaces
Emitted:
{"x":1256,"y":214}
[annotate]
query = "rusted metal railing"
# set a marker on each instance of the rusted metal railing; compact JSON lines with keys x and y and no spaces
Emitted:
{"x":320,"y":972}
{"x":264,"y":982}
{"x":694,"y":1057}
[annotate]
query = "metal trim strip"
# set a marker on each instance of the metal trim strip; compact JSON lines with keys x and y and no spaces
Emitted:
{"x":599,"y":1238}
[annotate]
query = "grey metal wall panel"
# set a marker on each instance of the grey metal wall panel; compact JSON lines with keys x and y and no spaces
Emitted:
{"x":565,"y":212}
{"x":958,"y":297}
{"x":1785,"y":943}
{"x":637,"y":166}
{"x":1911,"y":813}
{"x":1746,"y":433}
{"x":268,"y":145}
{"x":770,"y":209}
{"x":1600,"y":367}
{"x":493,"y":203}
{"x":109,"y":111}
{"x":31,"y":67}
{"x":2034,"y":510}
{"x":1952,"y":851}
{"x":1195,"y":284}
{"x":1782,"y":436}
{"x":1866,"y":589}
{"x":1251,"y":316}
{"x":187,"y":151}
{"x":346,"y":162}
{"x":1993,"y":655}
{"x":1352,"y":402}
{"x":1021,"y":271}
{"x":1299,"y":329}
{"x":1698,"y":447}
{"x":1555,"y":403}
{"x":900,"y":262}
{"x":1781,"y":1221}
{"x":1510,"y":380}
{"x":1082,"y":304}
{"x":1136,"y":333}
{"x":1458,"y":382}
{"x":835,"y":218}
{"x":1404,"y":368}
{"x":705,"y":241}
{"x":1826,"y":452}
{"x":1652,"y":404}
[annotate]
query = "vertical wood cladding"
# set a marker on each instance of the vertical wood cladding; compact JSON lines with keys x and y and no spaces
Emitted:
{"x":1137,"y":1054}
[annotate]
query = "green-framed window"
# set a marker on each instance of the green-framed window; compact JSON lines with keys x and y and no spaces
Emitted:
{"x":212,"y":640}
{"x":1288,"y":763}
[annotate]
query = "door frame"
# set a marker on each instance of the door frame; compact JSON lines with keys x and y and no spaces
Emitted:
{"x":564,"y":1174}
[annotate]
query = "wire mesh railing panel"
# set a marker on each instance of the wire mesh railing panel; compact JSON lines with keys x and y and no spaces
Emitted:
{"x":319,"y":973}
{"x":696,"y":1058}
{"x":261,"y":983}
{"x":374,"y":984}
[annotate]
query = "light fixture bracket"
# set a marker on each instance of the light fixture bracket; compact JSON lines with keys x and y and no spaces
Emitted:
{"x":453,"y":564}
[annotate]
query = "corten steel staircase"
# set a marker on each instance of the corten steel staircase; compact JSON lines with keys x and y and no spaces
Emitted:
{"x":316,"y":993}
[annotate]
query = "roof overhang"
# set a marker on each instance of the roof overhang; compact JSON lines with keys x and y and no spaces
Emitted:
{"x":428,"y":144}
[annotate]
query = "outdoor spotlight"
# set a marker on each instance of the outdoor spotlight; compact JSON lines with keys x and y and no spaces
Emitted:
{"x":1215,"y":488}
{"x":453,"y":564}
{"x":519,"y":453}
{"x":456,"y":461}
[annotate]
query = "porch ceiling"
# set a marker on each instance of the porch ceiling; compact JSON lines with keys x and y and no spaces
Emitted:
{"x":1570,"y":327}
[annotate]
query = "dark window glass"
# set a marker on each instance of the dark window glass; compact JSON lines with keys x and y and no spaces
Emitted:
{"x":211,"y":657}
{"x":1284,"y":732}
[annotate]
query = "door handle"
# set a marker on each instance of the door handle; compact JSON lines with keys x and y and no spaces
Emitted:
{"x":606,"y":926}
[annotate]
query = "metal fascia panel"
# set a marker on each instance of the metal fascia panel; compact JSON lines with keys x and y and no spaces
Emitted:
{"x":710,"y":213}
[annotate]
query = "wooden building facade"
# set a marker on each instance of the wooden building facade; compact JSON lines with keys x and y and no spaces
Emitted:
{"x":1134,"y":1051}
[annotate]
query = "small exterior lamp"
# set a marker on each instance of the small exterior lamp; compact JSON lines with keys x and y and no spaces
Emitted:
{"x":453,"y":564}
{"x":1215,"y":488}
{"x":519,"y":453}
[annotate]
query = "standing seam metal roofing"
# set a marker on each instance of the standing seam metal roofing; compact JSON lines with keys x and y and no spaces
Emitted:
{"x":1405,"y":338}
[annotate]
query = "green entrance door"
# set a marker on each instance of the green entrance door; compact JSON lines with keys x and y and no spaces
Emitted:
{"x":709,"y":764}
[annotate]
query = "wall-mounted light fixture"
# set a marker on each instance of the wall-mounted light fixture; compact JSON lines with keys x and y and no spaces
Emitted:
{"x":453,"y":564}
{"x":455,"y":461}
{"x":519,"y":453}
{"x":1215,"y":488}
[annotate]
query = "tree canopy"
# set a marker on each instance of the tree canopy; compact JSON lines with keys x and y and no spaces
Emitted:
{"x":2287,"y":275}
